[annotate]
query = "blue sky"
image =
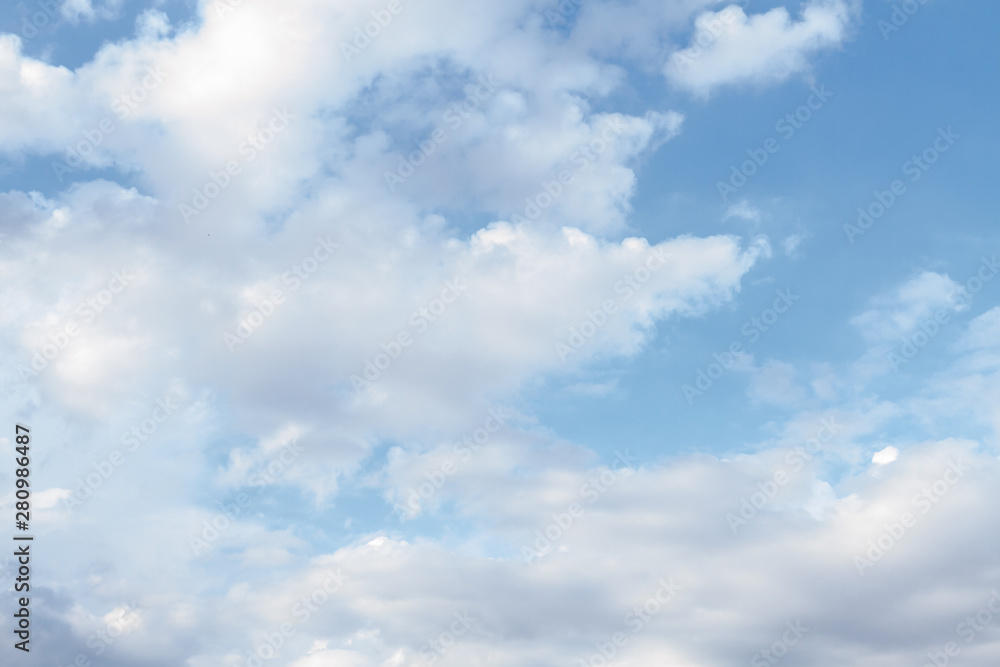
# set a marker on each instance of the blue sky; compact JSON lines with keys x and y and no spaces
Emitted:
{"x":454,"y":321}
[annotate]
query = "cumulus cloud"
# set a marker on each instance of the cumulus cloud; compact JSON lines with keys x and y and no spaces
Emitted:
{"x":385,"y":599}
{"x":280,"y":375}
{"x":730,"y":47}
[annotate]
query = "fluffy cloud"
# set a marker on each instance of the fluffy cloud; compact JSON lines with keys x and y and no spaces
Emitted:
{"x":344,"y":261}
{"x":695,"y":525}
{"x":730,"y":47}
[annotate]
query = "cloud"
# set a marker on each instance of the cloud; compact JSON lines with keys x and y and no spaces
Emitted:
{"x":75,"y":337}
{"x":774,"y":383}
{"x":729,"y":47}
{"x":983,"y":331}
{"x":74,"y":10}
{"x":897,"y":313}
{"x":885,"y":456}
{"x":42,"y":98}
{"x":267,"y":338}
{"x":806,"y":555}
{"x":743,"y":210}
{"x":791,"y":243}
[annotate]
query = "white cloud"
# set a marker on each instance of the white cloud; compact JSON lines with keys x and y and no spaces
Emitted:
{"x":797,"y":558}
{"x":74,"y":10}
{"x":885,"y":456}
{"x":729,"y":47}
{"x":490,"y":342}
{"x":41,"y":98}
{"x":791,"y":243}
{"x":899,"y":312}
{"x":743,"y":210}
{"x":983,"y":332}
{"x":527,"y":287}
{"x":774,"y":383}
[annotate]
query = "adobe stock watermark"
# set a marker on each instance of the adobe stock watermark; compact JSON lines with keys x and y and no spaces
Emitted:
{"x":123,"y":105}
{"x":710,"y":27}
{"x":779,"y":649}
{"x":49,"y":11}
{"x":915,"y":167}
{"x":125,"y":620}
{"x":249,"y":149}
{"x":88,"y":310}
{"x":929,"y":328}
{"x":135,"y":437}
{"x":581,"y":158}
{"x":294,"y":277}
{"x":223,"y":7}
{"x":967,"y":630}
{"x":787,"y":126}
{"x":562,"y":13}
{"x":303,"y":610}
{"x":562,"y":523}
{"x":925,"y":500}
{"x":627,"y":286}
{"x":464,"y":450}
{"x":8,"y":566}
{"x":455,"y":115}
{"x":212,"y":530}
{"x":796,"y":460}
{"x":381,"y":18}
{"x":637,"y":619}
{"x":900,"y":16}
{"x":752,"y":329}
{"x":419,"y":321}
{"x":438,"y":646}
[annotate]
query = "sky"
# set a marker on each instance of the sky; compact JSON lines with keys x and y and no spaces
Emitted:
{"x":547,"y":334}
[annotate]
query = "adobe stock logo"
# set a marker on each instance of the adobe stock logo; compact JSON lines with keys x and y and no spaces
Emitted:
{"x":582,"y":158}
{"x":464,"y":450}
{"x":381,"y":18}
{"x":88,"y":309}
{"x":796,"y":458}
{"x":752,"y":329}
{"x":636,"y":619}
{"x":50,"y":8}
{"x":967,"y":630}
{"x":709,"y":31}
{"x":142,"y":431}
{"x":265,"y":308}
{"x":913,"y":343}
{"x":788,"y":125}
{"x":123,"y":105}
{"x":592,"y":490}
{"x":627,"y":286}
{"x":218,"y":181}
{"x":900,"y":16}
{"x":438,"y":646}
{"x":420,"y":320}
{"x":476,"y":94}
{"x":776,"y":651}
{"x":915,"y":168}
{"x":929,"y":496}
